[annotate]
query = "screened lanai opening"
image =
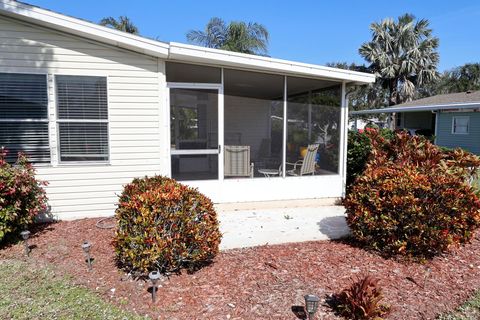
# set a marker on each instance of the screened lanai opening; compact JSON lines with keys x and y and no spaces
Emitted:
{"x":313,"y":131}
{"x":253,"y":117}
{"x":243,"y":133}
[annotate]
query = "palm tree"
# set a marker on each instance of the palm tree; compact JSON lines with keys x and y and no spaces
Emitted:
{"x":242,"y":37}
{"x":403,"y":54}
{"x":123,"y":24}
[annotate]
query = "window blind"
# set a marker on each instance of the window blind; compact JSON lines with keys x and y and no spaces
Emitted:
{"x":24,"y":116}
{"x":82,"y":117}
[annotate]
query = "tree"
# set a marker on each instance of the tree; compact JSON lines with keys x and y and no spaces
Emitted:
{"x":123,"y":24}
{"x":237,"y":36}
{"x":460,"y":79}
{"x":362,"y":97}
{"x":403,"y":54}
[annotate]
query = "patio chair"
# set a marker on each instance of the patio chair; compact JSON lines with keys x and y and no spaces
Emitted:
{"x":306,"y":165}
{"x":237,"y":162}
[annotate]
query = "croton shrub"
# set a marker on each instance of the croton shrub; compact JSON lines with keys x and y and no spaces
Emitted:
{"x":413,"y":198}
{"x":363,"y":300}
{"x":164,"y":225}
{"x":22,"y":196}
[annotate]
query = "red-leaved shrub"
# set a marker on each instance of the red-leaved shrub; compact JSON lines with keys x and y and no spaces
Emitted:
{"x":22,"y":196}
{"x":164,"y":225}
{"x":362,"y":300}
{"x":413,"y":199}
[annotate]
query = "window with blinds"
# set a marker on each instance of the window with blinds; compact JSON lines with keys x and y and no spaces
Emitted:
{"x":82,"y":118}
{"x":24,"y":116}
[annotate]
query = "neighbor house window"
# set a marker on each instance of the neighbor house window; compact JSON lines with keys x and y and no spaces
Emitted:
{"x":460,"y":125}
{"x":24,"y":116}
{"x":82,"y":117}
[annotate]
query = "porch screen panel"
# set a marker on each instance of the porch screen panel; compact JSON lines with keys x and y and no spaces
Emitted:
{"x":24,"y":116}
{"x":313,"y":126}
{"x":253,"y":116}
{"x":82,"y":113}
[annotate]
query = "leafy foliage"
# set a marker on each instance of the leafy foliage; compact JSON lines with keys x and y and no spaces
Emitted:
{"x":459,"y":79}
{"x":413,"y":199}
{"x":359,"y":150}
{"x":164,"y":225}
{"x":362,"y":300}
{"x":123,"y":24}
{"x":22,"y":196}
{"x":238,"y":36}
{"x":403,"y":54}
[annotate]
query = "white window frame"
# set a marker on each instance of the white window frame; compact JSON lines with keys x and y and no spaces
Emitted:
{"x":454,"y":119}
{"x":58,"y":121}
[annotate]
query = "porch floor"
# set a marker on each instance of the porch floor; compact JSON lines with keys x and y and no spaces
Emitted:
{"x":274,"y":225}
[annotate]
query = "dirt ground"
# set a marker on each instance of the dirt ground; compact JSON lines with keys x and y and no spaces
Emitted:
{"x":264,"y":282}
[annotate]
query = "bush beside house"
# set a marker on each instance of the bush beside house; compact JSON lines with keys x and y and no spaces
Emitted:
{"x":22,"y":196}
{"x":164,"y":225}
{"x":413,"y":199}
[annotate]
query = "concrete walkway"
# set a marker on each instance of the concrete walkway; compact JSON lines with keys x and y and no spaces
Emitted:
{"x":254,"y":227}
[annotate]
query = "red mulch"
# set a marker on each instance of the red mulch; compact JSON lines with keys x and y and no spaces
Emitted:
{"x":259,"y":283}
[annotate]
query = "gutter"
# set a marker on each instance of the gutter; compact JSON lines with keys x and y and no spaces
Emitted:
{"x":439,"y":107}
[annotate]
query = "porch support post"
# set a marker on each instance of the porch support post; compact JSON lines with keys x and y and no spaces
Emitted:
{"x":221,"y":126}
{"x":343,"y":138}
{"x":310,"y":116}
{"x":285,"y":126}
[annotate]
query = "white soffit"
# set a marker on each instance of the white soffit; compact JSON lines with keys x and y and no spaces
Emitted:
{"x":190,"y":53}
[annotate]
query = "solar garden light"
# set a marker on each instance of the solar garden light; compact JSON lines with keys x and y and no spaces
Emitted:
{"x":86,"y":248}
{"x":154,"y":276}
{"x":311,"y":304}
{"x":25,"y":235}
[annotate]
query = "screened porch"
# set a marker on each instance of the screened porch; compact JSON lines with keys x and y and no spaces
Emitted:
{"x":238,"y":124}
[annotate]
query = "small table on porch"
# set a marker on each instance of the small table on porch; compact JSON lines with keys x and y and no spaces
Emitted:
{"x":269,"y":172}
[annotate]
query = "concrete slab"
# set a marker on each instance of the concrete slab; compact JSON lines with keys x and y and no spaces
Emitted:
{"x":254,"y":227}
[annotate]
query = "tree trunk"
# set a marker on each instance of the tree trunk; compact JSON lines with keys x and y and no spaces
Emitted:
{"x":393,"y":99}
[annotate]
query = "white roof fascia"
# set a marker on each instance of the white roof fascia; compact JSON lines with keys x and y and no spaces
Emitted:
{"x":190,"y":53}
{"x":420,"y":108}
{"x":83,"y":28}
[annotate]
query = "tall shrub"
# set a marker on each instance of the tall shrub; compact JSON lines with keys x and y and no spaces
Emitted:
{"x":22,"y":196}
{"x":413,"y":199}
{"x":165,"y":225}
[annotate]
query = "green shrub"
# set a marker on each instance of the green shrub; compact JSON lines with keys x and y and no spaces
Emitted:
{"x":362,"y":300}
{"x":413,"y":199}
{"x":22,"y":196}
{"x":164,"y":225}
{"x":359,"y":149}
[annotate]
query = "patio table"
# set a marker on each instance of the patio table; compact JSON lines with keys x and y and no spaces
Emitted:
{"x":269,"y":172}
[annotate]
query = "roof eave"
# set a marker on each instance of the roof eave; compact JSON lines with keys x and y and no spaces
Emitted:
{"x":83,"y":28}
{"x":437,"y":107}
{"x":190,"y":53}
{"x":174,"y":51}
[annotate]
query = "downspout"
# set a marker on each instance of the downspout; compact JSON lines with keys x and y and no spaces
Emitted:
{"x":436,"y":113}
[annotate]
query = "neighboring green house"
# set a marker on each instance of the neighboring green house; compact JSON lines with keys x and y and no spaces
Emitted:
{"x":453,"y":119}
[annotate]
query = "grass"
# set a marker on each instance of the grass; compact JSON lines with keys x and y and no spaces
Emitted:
{"x":470,"y":310}
{"x":27,"y":293}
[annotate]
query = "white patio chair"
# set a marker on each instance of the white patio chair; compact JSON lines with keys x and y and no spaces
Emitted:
{"x":237,"y":162}
{"x":306,"y":165}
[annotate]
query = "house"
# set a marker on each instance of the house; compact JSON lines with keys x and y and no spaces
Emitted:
{"x":453,"y":119}
{"x":94,"y":108}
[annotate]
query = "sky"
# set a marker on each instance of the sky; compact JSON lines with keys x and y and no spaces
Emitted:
{"x":301,"y":30}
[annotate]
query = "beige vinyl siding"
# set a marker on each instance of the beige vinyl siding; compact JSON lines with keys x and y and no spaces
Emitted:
{"x":135,"y":100}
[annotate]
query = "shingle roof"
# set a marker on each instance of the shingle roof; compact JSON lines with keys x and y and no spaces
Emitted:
{"x":444,"y":99}
{"x":462,"y":100}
